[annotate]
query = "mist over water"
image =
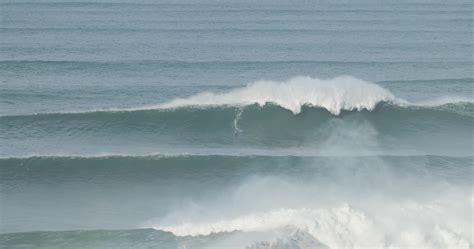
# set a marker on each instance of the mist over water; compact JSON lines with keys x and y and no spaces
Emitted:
{"x":236,"y":124}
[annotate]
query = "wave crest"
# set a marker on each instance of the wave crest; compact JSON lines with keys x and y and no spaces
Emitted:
{"x":334,"y":95}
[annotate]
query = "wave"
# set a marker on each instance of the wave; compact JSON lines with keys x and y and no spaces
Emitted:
{"x":216,"y":128}
{"x":456,"y":103}
{"x":340,"y":227}
{"x":99,"y":239}
{"x":444,"y":100}
{"x":250,"y":130}
{"x":206,"y":156}
{"x":150,"y":238}
{"x":197,"y":167}
{"x":288,"y":237}
{"x":303,"y":114}
{"x":226,"y":153}
{"x":137,"y":68}
{"x":343,"y":93}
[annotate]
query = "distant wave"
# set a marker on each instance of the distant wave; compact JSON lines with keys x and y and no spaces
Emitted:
{"x":231,"y":153}
{"x":227,"y":154}
{"x":444,"y":100}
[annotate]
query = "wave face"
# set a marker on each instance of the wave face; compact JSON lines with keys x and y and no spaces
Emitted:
{"x":388,"y":129}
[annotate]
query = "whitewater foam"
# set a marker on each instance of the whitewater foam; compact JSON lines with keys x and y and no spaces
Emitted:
{"x":341,"y":227}
{"x":333,"y":221}
{"x":335,"y":95}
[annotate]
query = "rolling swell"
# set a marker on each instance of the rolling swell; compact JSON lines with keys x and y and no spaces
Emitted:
{"x":100,"y":169}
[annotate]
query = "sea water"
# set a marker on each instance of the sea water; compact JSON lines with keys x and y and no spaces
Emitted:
{"x":236,"y":124}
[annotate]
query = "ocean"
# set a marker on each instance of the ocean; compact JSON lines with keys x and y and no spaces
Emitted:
{"x":236,"y":124}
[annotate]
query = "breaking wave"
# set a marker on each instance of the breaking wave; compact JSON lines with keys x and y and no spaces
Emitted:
{"x":334,"y":95}
{"x":343,"y":93}
{"x":340,"y":227}
{"x":299,"y":113}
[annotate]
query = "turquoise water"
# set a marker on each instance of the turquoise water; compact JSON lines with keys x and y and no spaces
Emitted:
{"x":234,"y":124}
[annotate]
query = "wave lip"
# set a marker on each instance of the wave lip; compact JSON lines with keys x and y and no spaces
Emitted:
{"x":337,"y":94}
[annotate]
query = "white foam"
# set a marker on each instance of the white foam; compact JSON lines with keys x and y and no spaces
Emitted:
{"x":335,"y":95}
{"x":341,"y":227}
{"x":333,"y":227}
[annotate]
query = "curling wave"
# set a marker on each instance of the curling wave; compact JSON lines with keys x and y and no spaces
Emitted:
{"x":334,"y":95}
